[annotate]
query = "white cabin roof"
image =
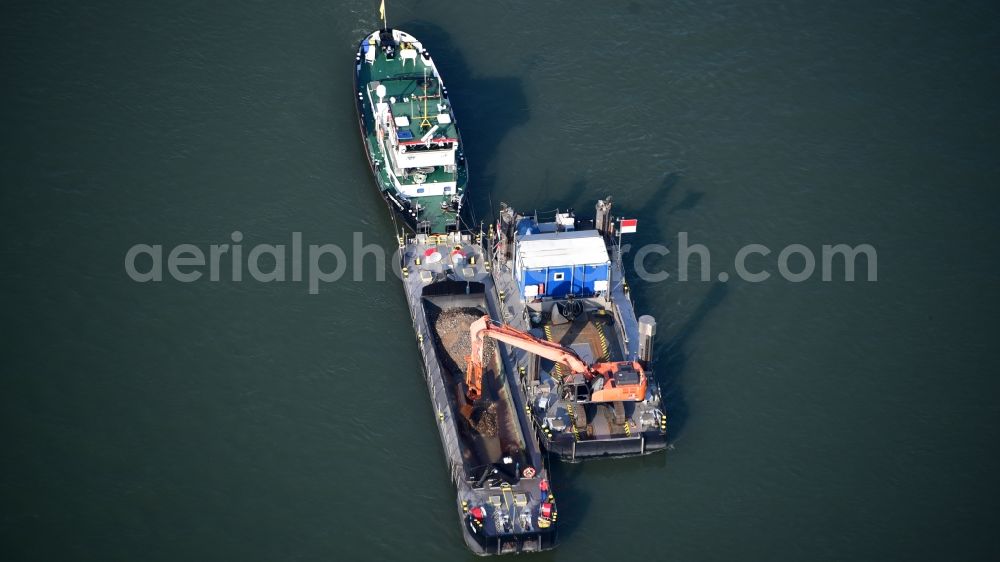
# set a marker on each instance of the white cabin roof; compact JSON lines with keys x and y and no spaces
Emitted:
{"x":560,"y":249}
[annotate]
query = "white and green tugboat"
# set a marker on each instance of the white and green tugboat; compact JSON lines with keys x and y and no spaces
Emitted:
{"x":409,"y":131}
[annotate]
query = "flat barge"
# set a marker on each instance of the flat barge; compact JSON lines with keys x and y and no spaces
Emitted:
{"x":504,"y":501}
{"x":562,"y":281}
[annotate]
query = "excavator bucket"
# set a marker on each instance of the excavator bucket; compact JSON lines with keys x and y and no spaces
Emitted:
{"x":467,"y":411}
{"x":478,"y":415}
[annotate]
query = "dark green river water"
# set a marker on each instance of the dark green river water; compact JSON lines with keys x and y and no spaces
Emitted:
{"x":170,"y":421}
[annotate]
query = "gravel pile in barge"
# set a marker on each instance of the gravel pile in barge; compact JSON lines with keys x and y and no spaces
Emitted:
{"x":491,"y":429}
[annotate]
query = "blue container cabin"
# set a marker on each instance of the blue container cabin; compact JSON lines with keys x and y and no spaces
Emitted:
{"x":557,"y":264}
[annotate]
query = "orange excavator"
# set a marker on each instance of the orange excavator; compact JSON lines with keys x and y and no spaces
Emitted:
{"x":623,"y":381}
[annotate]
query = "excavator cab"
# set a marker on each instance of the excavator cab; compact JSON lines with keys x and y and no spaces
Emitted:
{"x":622,"y":381}
{"x":626,"y":374}
{"x":609,"y":382}
{"x":577,"y":388}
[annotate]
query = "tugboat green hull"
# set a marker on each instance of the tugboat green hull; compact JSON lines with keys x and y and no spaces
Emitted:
{"x":409,"y":132}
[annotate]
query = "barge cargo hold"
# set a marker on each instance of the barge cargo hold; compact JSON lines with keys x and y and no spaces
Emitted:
{"x":505,"y":500}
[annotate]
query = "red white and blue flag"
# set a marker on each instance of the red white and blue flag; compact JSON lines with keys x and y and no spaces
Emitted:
{"x":627,"y":226}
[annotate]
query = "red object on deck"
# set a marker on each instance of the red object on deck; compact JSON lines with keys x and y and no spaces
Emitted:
{"x":477,"y":512}
{"x":547,"y":510}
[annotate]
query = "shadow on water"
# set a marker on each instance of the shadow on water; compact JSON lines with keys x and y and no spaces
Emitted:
{"x":689,"y":202}
{"x":581,"y":196}
{"x":661,"y":196}
{"x":486,"y":108}
{"x":672,"y":356}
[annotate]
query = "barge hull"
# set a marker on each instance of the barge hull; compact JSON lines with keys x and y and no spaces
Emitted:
{"x":476,"y":462}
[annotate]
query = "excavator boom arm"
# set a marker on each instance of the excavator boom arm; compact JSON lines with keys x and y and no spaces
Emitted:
{"x":552,"y":351}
